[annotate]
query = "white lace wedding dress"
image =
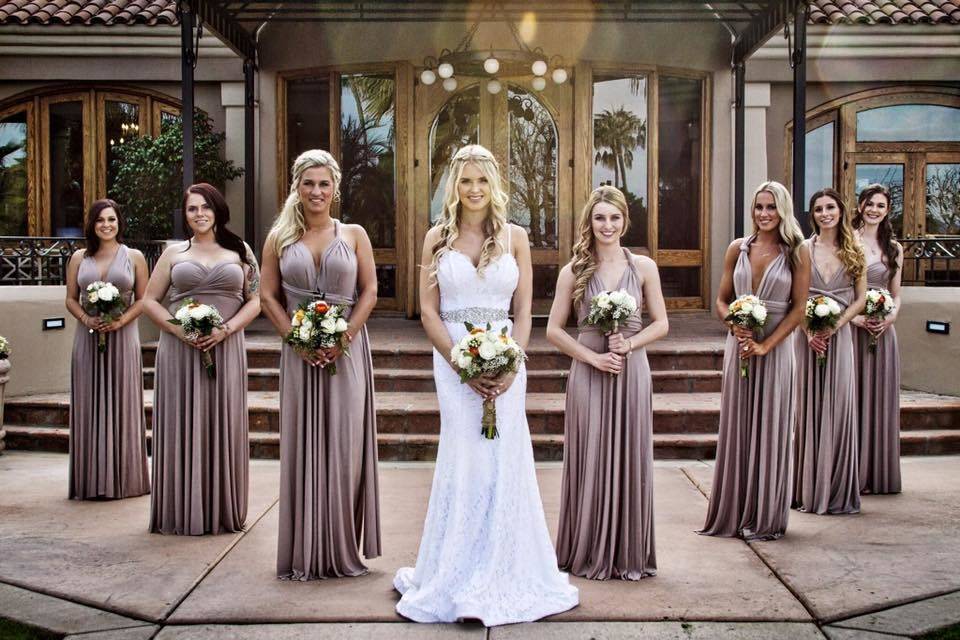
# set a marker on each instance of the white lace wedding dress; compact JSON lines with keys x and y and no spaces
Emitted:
{"x":485,"y":552}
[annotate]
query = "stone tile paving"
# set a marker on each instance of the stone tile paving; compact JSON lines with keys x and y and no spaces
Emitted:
{"x":891,"y":570}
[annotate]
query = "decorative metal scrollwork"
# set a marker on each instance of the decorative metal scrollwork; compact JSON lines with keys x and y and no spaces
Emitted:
{"x":43,"y":260}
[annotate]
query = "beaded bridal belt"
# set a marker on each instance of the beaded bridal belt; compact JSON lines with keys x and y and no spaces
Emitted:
{"x":474,"y":315}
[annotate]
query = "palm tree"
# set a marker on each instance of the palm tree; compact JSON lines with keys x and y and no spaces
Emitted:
{"x":616,"y":133}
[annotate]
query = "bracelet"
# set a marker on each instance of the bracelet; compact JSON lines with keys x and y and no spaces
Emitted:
{"x":225,"y":327}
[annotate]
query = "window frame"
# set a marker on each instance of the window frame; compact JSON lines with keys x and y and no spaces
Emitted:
{"x":29,"y":108}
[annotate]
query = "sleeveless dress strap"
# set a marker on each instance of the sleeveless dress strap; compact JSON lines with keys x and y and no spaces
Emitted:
{"x":632,"y":266}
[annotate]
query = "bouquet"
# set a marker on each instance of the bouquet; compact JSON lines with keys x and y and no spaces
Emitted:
{"x":318,"y":325}
{"x":609,"y":308}
{"x":747,"y":311}
{"x":199,"y":320}
{"x":822,"y":312}
{"x":879,"y":306}
{"x":104,"y":300}
{"x":483,"y":352}
{"x":4,"y":348}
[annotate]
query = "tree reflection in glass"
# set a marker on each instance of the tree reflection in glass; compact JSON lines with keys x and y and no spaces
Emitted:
{"x":13,"y":175}
{"x":943,"y":199}
{"x":122,"y":122}
{"x":533,"y":168}
{"x":367,"y":158}
{"x":457,"y":125}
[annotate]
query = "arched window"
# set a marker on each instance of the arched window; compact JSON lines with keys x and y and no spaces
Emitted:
{"x":56,"y":151}
{"x":906,"y":137}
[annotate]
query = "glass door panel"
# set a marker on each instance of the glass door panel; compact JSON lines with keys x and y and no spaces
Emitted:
{"x":456,"y":125}
{"x":942,"y":215}
{"x":892,"y":177}
{"x":14,"y":175}
{"x":66,"y":167}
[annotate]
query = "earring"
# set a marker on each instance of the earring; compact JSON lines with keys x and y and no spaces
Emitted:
{"x":336,"y":195}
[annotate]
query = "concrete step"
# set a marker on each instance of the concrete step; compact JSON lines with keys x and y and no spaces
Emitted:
{"x":418,"y":412}
{"x":263,"y":352}
{"x":538,"y":380}
{"x":423,"y":447}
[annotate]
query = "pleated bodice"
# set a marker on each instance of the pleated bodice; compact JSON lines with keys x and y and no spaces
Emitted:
{"x":219,"y":285}
{"x":775,"y":287}
{"x":120,"y":274}
{"x":334,"y":279}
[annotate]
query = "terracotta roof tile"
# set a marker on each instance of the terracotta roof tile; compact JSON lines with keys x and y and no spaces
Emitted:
{"x":102,"y":12}
{"x":885,"y":11}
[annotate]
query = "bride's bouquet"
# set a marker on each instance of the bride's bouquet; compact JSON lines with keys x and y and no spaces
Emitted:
{"x":747,"y":311}
{"x":879,"y":305}
{"x":609,"y":308}
{"x":199,"y":320}
{"x":103,"y":299}
{"x":484,"y":352}
{"x":821,"y":313}
{"x":318,"y":325}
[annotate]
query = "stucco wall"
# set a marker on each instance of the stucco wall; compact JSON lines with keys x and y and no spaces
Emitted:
{"x":930,"y":362}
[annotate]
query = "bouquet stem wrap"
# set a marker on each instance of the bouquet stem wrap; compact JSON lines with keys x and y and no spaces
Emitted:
{"x":489,"y":420}
{"x":104,"y":300}
{"x":197,"y":320}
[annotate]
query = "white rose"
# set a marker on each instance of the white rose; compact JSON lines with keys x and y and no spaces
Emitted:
{"x":198,"y":312}
{"x":305,"y":333}
{"x":501,"y":346}
{"x":834,"y":306}
{"x":487,"y":350}
{"x":93,"y":297}
{"x":341,"y":325}
{"x":107,"y":294}
{"x":464,"y":361}
{"x":746,"y":308}
{"x":307,"y":323}
{"x":822,"y":310}
{"x":759,"y":313}
{"x":329,"y":325}
{"x":182,"y":314}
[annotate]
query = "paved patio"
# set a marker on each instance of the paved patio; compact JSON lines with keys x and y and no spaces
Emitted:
{"x":91,"y":568}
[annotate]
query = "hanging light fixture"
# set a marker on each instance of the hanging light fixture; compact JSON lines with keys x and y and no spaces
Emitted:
{"x":496,"y":65}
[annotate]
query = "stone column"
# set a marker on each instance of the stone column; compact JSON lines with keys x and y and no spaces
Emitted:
{"x":756,"y":103}
{"x":231,"y":97}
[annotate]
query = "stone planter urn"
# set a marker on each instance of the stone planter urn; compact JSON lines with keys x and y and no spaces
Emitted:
{"x":4,"y":378}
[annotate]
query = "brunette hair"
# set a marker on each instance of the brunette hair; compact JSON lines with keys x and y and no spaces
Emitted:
{"x":584,"y":262}
{"x":851,"y":255}
{"x":221,"y":212}
{"x":888,"y":243}
{"x":90,"y":225}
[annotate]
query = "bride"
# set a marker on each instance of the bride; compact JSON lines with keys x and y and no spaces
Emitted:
{"x":485,"y":552}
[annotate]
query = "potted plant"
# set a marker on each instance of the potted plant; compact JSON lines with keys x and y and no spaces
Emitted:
{"x":4,"y":377}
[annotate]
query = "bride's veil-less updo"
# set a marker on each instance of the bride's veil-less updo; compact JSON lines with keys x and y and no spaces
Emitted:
{"x":290,"y":224}
{"x":449,"y":222}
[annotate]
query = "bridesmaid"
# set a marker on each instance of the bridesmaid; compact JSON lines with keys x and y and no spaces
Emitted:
{"x":328,"y":432}
{"x":750,"y":496}
{"x":826,"y":471}
{"x":200,"y":449}
{"x":879,"y":370}
{"x":606,"y":507}
{"x":108,"y":446}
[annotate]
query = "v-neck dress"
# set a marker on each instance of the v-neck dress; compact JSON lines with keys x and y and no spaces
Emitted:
{"x":329,"y":495}
{"x":108,"y":448}
{"x":201,"y":454}
{"x":606,"y":504}
{"x":878,"y":377}
{"x":750,"y":494}
{"x":827,"y":468}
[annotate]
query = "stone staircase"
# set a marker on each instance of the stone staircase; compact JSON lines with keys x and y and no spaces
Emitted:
{"x":686,"y":379}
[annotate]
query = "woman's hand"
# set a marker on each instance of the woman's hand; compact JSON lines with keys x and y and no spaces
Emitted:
{"x":107,"y":327}
{"x":483,"y":386}
{"x":328,"y":355}
{"x":750,"y":347}
{"x":503,"y":382}
{"x":218,"y":335}
{"x":742,"y":333}
{"x":91,"y":322}
{"x":877,"y":327}
{"x":618,"y":344}
{"x":818,"y":342}
{"x":859,"y":321}
{"x":608,"y":362}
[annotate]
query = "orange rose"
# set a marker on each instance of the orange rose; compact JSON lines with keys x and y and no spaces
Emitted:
{"x":321,"y":307}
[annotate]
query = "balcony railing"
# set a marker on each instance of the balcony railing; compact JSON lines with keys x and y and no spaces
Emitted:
{"x":38,"y":260}
{"x":931,"y":261}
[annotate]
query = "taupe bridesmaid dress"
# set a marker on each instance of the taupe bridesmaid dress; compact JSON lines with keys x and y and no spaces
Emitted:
{"x":606,"y":506}
{"x":329,"y":492}
{"x":826,"y":471}
{"x":201,"y":455}
{"x":750,"y":497}
{"x":878,"y":375}
{"x":108,"y":446}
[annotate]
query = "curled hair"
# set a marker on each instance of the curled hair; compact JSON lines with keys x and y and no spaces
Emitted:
{"x":221,"y":216}
{"x":885,"y":237}
{"x":790,"y":233}
{"x":850,"y":252}
{"x":290,"y":224}
{"x":449,"y":222}
{"x":584,"y":261}
{"x":90,"y":225}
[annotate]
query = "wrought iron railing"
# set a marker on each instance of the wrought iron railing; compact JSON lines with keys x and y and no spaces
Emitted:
{"x":38,"y":260}
{"x":931,"y":261}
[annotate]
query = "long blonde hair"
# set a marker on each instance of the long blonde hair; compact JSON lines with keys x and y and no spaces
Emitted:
{"x":584,"y":261}
{"x":850,"y":252}
{"x":790,"y":232}
{"x":290,"y":225}
{"x":449,"y":222}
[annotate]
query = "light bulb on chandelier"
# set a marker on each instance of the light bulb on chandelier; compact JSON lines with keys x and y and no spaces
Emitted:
{"x":559,"y":75}
{"x":539,"y":83}
{"x":450,"y":84}
{"x":445,"y":70}
{"x":428,"y":77}
{"x":491,"y":65}
{"x":539,"y":68}
{"x":494,"y":86}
